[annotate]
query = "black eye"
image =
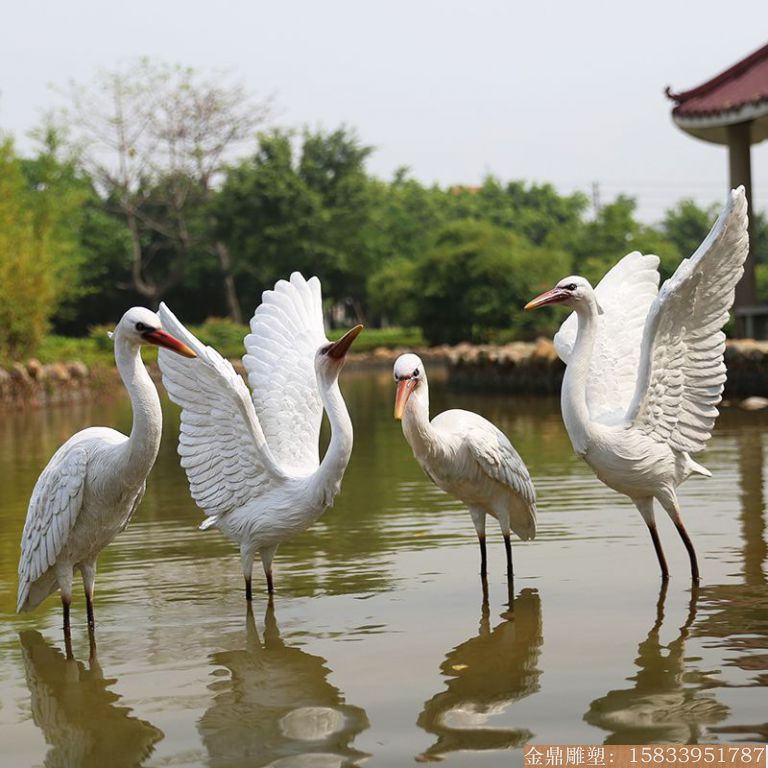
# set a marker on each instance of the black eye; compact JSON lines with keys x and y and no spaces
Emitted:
{"x":416,"y":373}
{"x":325,"y":349}
{"x":570,"y":287}
{"x":140,"y":327}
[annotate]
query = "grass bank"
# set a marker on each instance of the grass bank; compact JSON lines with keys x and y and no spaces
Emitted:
{"x":223,"y":335}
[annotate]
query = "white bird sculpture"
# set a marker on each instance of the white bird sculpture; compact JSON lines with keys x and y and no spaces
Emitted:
{"x":95,"y":481}
{"x":645,"y":371}
{"x":252,"y":460}
{"x":467,"y":456}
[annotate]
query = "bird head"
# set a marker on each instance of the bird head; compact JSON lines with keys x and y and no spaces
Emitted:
{"x":140,"y":325}
{"x":574,"y":292}
{"x":330,"y":357}
{"x":408,"y":373}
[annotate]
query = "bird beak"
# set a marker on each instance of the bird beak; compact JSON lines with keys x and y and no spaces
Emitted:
{"x":404,"y":389}
{"x":163,"y":339}
{"x":555,"y":296}
{"x":341,"y":347}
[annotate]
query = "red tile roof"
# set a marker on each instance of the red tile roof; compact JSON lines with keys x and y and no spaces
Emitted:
{"x":743,"y":84}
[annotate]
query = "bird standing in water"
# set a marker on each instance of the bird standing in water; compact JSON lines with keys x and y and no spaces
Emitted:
{"x":252,"y":459}
{"x":645,"y":372}
{"x":467,"y":456}
{"x":95,"y":481}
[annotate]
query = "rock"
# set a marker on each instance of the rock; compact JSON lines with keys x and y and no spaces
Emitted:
{"x":59,"y":372}
{"x":35,"y":369}
{"x":754,"y":403}
{"x":78,"y":370}
{"x":19,"y":373}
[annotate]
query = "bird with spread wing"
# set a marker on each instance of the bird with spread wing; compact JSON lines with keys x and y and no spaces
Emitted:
{"x":252,"y":458}
{"x":645,"y":369}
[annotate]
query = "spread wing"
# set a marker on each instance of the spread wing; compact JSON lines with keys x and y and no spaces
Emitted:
{"x":221,"y":444}
{"x":625,"y":295}
{"x":286,"y":332}
{"x":682,"y":373}
{"x":53,"y":509}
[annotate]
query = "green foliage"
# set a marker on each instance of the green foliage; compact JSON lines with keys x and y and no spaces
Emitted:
{"x":614,"y":232}
{"x":304,"y":209}
{"x":227,"y":337}
{"x":473,"y":284}
{"x":40,"y":207}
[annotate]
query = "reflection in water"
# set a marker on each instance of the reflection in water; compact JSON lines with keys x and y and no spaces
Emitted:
{"x":276,"y":705}
{"x":78,"y":714}
{"x":487,"y":674}
{"x":666,"y":703}
{"x":744,"y":607}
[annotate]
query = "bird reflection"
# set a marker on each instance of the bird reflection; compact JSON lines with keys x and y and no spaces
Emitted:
{"x":666,"y":703}
{"x":78,"y":714}
{"x":488,"y":673}
{"x":277,"y":704}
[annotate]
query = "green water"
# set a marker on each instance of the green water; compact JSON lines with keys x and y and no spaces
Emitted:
{"x":379,"y":648}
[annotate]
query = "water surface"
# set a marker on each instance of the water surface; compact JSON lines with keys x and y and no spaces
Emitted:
{"x":378,"y":648}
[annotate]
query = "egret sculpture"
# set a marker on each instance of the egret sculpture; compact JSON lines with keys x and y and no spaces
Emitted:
{"x":645,"y":371}
{"x":252,"y":459}
{"x":95,"y":481}
{"x":467,"y":456}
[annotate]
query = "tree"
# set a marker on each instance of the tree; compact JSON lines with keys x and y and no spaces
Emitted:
{"x":599,"y":244}
{"x":40,"y":203}
{"x":475,"y":281}
{"x":304,"y":207}
{"x":155,"y":139}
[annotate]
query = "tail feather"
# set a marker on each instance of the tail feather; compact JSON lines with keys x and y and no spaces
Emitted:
{"x":209,"y":522}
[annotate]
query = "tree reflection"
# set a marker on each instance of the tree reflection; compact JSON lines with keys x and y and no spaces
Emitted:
{"x":488,"y":673}
{"x":78,"y":714}
{"x":277,"y":703}
{"x":666,"y":702}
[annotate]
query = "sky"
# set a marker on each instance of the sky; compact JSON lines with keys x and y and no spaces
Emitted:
{"x":570,"y":93}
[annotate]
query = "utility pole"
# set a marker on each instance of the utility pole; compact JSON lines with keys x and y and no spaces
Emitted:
{"x":596,"y":198}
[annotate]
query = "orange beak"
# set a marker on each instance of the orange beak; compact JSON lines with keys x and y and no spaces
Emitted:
{"x":555,"y":296}
{"x":341,"y":347}
{"x":404,"y":389}
{"x":163,"y":339}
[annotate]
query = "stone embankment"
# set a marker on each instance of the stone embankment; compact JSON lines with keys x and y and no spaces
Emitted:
{"x":534,"y":368}
{"x":520,"y":367}
{"x":33,"y":384}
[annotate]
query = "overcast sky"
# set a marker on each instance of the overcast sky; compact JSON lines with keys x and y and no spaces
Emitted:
{"x":565,"y":92}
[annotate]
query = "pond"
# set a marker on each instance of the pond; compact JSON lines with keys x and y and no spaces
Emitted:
{"x":378,"y":648}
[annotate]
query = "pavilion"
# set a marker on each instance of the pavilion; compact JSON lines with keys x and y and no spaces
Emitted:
{"x":732,"y":109}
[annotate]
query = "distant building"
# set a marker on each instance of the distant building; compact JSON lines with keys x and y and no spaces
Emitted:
{"x":732,"y":109}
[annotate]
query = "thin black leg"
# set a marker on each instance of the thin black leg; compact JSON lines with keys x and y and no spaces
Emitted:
{"x":508,"y":547}
{"x":483,"y":556}
{"x":65,"y":602}
{"x":691,"y":551}
{"x":270,"y":585}
{"x":248,"y":590}
{"x":659,"y":552}
{"x":89,"y":610}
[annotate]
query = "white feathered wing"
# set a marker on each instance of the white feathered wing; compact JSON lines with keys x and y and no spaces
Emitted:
{"x":221,"y":443}
{"x":286,"y":332}
{"x":682,"y":374}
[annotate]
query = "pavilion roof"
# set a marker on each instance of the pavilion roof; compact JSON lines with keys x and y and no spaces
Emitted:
{"x":737,"y":94}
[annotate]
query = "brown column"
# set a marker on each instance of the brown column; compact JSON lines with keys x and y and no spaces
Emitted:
{"x":739,"y":143}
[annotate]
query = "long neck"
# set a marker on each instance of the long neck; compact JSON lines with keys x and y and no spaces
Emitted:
{"x":417,"y":428}
{"x":331,"y":470}
{"x":139,"y":453}
{"x":573,"y":397}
